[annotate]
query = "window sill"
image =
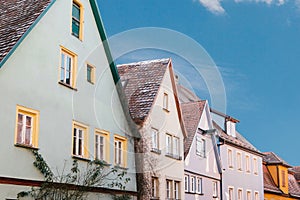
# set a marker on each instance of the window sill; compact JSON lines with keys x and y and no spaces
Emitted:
{"x":78,"y":37}
{"x":120,"y":167}
{"x":155,"y":150}
{"x":26,"y":146}
{"x":102,"y":162}
{"x":80,"y":158}
{"x":166,"y":110}
{"x":174,"y":156}
{"x":66,"y":85}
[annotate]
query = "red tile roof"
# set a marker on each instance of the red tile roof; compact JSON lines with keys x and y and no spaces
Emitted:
{"x":294,"y":188}
{"x":185,"y":95}
{"x":192,"y":112}
{"x":16,"y":17}
{"x":269,"y":184}
{"x":272,"y":158}
{"x":297,"y":173}
{"x":142,"y":81}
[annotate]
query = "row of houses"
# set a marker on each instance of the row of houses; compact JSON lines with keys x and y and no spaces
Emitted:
{"x":63,"y":96}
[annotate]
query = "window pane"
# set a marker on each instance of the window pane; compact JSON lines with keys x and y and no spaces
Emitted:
{"x":76,"y":11}
{"x":97,"y":149}
{"x":74,"y":141}
{"x":89,"y":74}
{"x":19,"y":128}
{"x":101,"y":148}
{"x":75,"y":28}
{"x":28,"y":130}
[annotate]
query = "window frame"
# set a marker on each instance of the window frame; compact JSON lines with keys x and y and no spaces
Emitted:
{"x":200,"y":147}
{"x":248,"y":195}
{"x":85,"y":143}
{"x":106,"y":152}
{"x":193,"y":184}
{"x":230,"y":197}
{"x":186,"y":183}
{"x":230,"y":158}
{"x":123,"y":140}
{"x":199,"y":190}
{"x":169,"y":189}
{"x":176,"y":190}
{"x":92,"y":71}
{"x":248,"y":165}
{"x":154,"y":145}
{"x":239,"y":163}
{"x":240,"y":192}
{"x":175,"y":148}
{"x":255,"y":166}
{"x":34,"y":128}
{"x":169,"y":141}
{"x":154,"y":187}
{"x":215,"y":189}
{"x":73,"y":71}
{"x":256,"y":195}
{"x":166,"y":101}
{"x":80,"y":21}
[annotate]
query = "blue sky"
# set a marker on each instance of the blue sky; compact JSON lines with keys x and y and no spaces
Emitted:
{"x":254,"y":43}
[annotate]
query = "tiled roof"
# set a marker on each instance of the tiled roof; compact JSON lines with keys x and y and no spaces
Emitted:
{"x":192,"y":112}
{"x":297,"y":173}
{"x":272,"y":158}
{"x":294,"y":188}
{"x":239,"y":140}
{"x":269,"y":184}
{"x":185,"y":95}
{"x":16,"y":17}
{"x":141,"y":82}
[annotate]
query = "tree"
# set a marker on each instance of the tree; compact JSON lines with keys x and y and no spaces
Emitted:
{"x":75,"y":184}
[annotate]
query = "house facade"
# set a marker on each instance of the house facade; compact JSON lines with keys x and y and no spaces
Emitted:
{"x":279,"y":179}
{"x":154,"y":107}
{"x":242,"y":175}
{"x":202,"y":163}
{"x":58,"y":93}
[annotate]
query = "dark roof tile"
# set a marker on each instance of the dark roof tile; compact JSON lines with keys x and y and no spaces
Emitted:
{"x":272,"y":158}
{"x":16,"y":17}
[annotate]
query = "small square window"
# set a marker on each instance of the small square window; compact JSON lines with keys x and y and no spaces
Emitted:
{"x":90,"y":73}
{"x":27,"y":127}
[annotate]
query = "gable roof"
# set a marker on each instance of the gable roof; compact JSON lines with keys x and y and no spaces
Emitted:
{"x":185,"y":95}
{"x":16,"y":18}
{"x":271,"y":158}
{"x":269,"y":184}
{"x":294,"y":188}
{"x":297,"y":173}
{"x":192,"y":112}
{"x":238,"y":141}
{"x":141,"y":82}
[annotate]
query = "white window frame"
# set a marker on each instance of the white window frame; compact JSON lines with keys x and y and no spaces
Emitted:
{"x":169,"y":189}
{"x":248,"y":165}
{"x":154,"y":187}
{"x":186,"y":183}
{"x":176,"y":150}
{"x":256,"y":195}
{"x":154,"y":139}
{"x":248,"y":195}
{"x":169,"y":144}
{"x":240,"y":194}
{"x":230,"y":158}
{"x":230,"y":193}
{"x":176,"y":190}
{"x":193,"y":184}
{"x":79,"y":140}
{"x":199,"y":187}
{"x":215,"y":189}
{"x":166,"y":101}
{"x":200,"y":147}
{"x":239,"y":161}
{"x":255,"y":166}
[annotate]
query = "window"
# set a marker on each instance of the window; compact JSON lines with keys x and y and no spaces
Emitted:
{"x":27,"y":127}
{"x":240,"y":194}
{"x":247,"y":163}
{"x":230,"y":163}
{"x":230,"y":193}
{"x":102,"y":145}
{"x":215,"y":189}
{"x":200,"y":147}
{"x":90,"y":73}
{"x":154,"y":139}
{"x":256,"y":196}
{"x":176,"y":147}
{"x":166,"y":102}
{"x":199,"y":185}
{"x":68,"y":67}
{"x":77,"y":19}
{"x":120,"y":151}
{"x":80,"y":144}
{"x":255,"y":166}
{"x":193,"y":184}
{"x":283,"y":183}
{"x":186,"y":183}
{"x":154,"y":187}
{"x":169,"y":189}
{"x":176,"y":190}
{"x":239,"y":161}
{"x":169,"y":144}
{"x":248,"y":195}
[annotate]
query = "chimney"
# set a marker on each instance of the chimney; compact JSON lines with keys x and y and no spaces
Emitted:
{"x":230,"y":124}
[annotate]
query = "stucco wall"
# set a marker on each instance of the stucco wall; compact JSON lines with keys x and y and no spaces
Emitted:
{"x":30,"y":78}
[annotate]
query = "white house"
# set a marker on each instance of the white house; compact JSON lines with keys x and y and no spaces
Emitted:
{"x":154,"y":107}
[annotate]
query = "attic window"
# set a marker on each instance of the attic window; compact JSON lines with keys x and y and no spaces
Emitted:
{"x":166,"y":102}
{"x":77,"y":19}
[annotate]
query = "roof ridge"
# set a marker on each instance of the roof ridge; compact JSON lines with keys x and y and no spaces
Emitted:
{"x":145,"y":62}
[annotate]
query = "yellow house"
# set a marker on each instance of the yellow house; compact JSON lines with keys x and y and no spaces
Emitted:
{"x":279,"y":180}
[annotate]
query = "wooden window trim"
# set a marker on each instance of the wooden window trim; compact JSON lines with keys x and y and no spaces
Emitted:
{"x":73,"y":55}
{"x":106,"y":135}
{"x":85,"y":129}
{"x":81,"y":21}
{"x":34,"y":114}
{"x":93,"y":72}
{"x":124,"y":151}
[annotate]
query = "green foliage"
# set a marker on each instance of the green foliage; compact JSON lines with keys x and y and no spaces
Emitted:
{"x":122,"y":197}
{"x":75,"y":184}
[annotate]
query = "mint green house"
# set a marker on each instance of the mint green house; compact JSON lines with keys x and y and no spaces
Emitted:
{"x":58,"y":94}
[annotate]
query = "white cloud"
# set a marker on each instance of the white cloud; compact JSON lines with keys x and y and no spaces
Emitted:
{"x":297,"y":3}
{"x":269,"y":2}
{"x":213,"y":6}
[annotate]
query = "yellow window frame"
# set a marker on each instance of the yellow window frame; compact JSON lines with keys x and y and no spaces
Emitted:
{"x":85,"y":130}
{"x":93,"y":72}
{"x":81,"y":21}
{"x":73,"y":55}
{"x":124,"y":150}
{"x":105,"y":134}
{"x":35,"y":115}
